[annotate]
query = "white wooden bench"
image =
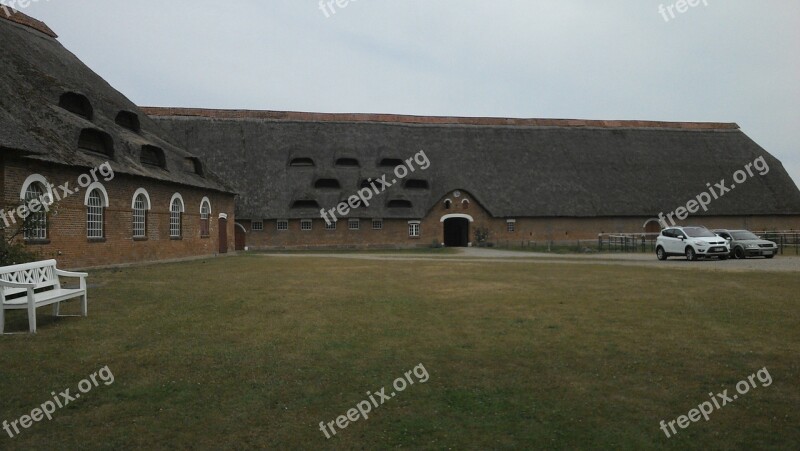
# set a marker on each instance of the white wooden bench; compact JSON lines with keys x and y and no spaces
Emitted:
{"x":33,"y":285}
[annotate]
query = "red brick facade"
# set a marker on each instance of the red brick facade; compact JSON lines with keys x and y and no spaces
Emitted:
{"x":67,"y":239}
{"x":395,"y":232}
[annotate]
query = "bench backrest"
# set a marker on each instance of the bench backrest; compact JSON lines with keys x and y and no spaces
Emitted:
{"x":43,"y":274}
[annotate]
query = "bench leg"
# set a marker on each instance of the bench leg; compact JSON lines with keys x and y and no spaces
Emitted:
{"x":2,"y":320}
{"x":32,"y":318}
{"x":85,"y":304}
{"x":56,"y":308}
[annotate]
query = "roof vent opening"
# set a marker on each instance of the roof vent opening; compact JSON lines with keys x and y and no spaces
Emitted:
{"x":305,"y":203}
{"x":129,"y":120}
{"x":327,"y":184}
{"x":153,"y":156}
{"x":391,"y":162}
{"x":302,"y":162}
{"x":347,"y":163}
{"x":96,"y":141}
{"x":76,"y":104}
{"x":417,"y":184}
{"x":400,"y":203}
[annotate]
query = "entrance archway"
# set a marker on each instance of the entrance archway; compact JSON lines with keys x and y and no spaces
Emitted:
{"x":223,"y":233}
{"x":239,"y":237}
{"x":456,"y":232}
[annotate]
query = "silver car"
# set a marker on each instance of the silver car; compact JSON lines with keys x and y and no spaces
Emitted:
{"x":746,"y":244}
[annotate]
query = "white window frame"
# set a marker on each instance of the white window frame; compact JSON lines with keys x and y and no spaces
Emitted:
{"x":36,"y":224}
{"x":176,"y":210}
{"x":354,"y":224}
{"x":330,"y":226}
{"x":205,"y":217}
{"x":511,"y":226}
{"x":257,"y":226}
{"x":139,"y":215}
{"x":414,"y":229}
{"x":94,"y":215}
{"x":282,"y":225}
{"x":377,"y":224}
{"x":95,"y":210}
{"x":306,"y":225}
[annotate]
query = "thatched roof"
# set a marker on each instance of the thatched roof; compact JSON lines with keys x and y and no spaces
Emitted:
{"x":39,"y":75}
{"x":513,"y":167}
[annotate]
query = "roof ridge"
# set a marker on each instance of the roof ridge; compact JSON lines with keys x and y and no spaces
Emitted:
{"x":433,"y":120}
{"x":13,"y":15}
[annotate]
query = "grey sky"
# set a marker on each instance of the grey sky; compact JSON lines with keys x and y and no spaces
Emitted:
{"x":731,"y":61}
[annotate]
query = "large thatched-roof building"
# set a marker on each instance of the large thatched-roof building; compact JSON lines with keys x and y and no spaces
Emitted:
{"x":86,"y":177}
{"x":521,"y":179}
{"x":304,"y":179}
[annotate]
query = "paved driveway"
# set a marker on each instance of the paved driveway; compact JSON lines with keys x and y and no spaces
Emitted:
{"x":779,"y":263}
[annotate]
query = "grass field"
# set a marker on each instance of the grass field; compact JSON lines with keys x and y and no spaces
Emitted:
{"x":254,"y":351}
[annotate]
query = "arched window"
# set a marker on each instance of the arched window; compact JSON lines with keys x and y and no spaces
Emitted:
{"x":465,"y":204}
{"x":141,"y":204}
{"x":94,"y":214}
{"x":448,"y":204}
{"x":175,"y":216}
{"x":35,"y":227}
{"x":205,"y":221}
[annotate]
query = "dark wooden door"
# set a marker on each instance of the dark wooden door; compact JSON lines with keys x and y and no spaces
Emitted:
{"x":223,"y":235}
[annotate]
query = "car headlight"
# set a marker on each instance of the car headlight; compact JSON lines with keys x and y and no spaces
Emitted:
{"x":752,"y":246}
{"x":701,"y":243}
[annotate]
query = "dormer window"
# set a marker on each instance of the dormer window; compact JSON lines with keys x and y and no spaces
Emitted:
{"x":153,"y":156}
{"x":400,"y":203}
{"x":77,"y":104}
{"x":347,"y":163}
{"x":96,"y":141}
{"x":327,"y":184}
{"x":302,"y":162}
{"x":305,"y":203}
{"x":391,"y":162}
{"x":129,"y":120}
{"x":193,"y":165}
{"x":417,"y":184}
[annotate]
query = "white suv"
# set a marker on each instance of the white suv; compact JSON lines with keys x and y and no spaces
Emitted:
{"x":692,"y":242}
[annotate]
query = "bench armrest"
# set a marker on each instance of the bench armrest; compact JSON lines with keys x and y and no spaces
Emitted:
{"x":17,"y":285}
{"x":60,"y":272}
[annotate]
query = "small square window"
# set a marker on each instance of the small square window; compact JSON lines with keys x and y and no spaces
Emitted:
{"x":511,"y":226}
{"x":283,"y":225}
{"x":413,"y":230}
{"x":377,"y":224}
{"x":354,"y":224}
{"x":258,"y":226}
{"x":306,"y":225}
{"x":330,"y":225}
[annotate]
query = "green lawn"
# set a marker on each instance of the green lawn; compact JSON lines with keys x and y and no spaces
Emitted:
{"x":255,"y":351}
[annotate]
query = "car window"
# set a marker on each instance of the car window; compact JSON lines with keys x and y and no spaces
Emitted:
{"x":669,"y":233}
{"x":744,"y":235}
{"x":699,"y":232}
{"x":723,"y":235}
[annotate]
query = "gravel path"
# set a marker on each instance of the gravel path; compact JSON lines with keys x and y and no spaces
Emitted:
{"x":777,"y":264}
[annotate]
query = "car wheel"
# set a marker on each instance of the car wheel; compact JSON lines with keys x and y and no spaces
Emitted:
{"x":661,"y":254}
{"x":691,"y":255}
{"x":739,"y":253}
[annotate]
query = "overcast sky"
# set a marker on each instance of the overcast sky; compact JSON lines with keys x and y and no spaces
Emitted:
{"x":727,"y":61}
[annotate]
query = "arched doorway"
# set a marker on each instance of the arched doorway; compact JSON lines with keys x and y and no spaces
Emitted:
{"x":456,"y":232}
{"x":652,"y":226}
{"x":239,"y":237}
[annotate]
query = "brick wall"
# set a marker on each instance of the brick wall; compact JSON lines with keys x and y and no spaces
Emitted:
{"x":67,"y":235}
{"x":395,"y":231}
